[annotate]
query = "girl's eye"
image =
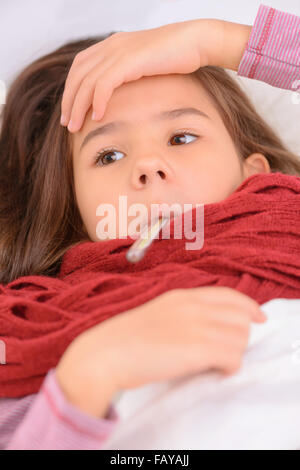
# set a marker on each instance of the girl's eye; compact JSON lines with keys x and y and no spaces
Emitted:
{"x":104,"y":157}
{"x":101,"y":156}
{"x":183,"y":133}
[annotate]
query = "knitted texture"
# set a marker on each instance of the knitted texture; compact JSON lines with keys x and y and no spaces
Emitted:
{"x":251,"y":243}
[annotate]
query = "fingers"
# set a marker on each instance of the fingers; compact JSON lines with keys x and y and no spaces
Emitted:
{"x":105,"y":88}
{"x":80,"y":96}
{"x":80,"y":71}
{"x":232,"y":366}
{"x":96,"y":90}
{"x":228,"y":338}
{"x":220,"y":295}
{"x":229,"y":318}
{"x":81,"y":104}
{"x":99,"y":54}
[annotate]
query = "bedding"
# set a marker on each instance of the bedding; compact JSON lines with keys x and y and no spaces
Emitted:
{"x":256,"y":408}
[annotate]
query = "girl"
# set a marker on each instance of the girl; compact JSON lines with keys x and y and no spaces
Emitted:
{"x":41,"y":156}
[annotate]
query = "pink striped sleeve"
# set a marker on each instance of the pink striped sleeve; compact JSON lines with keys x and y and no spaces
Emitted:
{"x":47,"y":421}
{"x":272,"y":54}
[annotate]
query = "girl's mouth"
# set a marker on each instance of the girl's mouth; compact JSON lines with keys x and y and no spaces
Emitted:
{"x":138,"y":249}
{"x":151,"y":221}
{"x":149,"y":230}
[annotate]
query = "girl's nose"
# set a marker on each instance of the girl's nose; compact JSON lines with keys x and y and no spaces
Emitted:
{"x":147,"y":176}
{"x":149,"y":171}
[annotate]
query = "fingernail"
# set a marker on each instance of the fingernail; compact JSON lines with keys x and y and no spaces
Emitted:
{"x":71,"y":126}
{"x":261,"y":315}
{"x":96,"y":116}
{"x":63,"y":120}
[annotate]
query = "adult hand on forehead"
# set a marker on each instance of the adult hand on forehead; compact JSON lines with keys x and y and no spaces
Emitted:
{"x":125,"y":56}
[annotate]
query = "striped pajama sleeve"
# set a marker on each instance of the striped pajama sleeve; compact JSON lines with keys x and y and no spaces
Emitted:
{"x":47,"y":421}
{"x":272,"y":54}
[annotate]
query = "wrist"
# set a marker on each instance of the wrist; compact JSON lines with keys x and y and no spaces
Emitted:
{"x":85,"y":385}
{"x":233,"y":44}
{"x":88,"y":398}
{"x":212,"y":34}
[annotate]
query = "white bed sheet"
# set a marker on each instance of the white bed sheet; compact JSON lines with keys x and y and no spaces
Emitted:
{"x":256,"y":408}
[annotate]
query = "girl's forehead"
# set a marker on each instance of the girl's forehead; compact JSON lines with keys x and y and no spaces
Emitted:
{"x":159,"y":97}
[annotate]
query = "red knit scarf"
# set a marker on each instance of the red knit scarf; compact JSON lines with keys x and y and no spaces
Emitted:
{"x":251,"y":243}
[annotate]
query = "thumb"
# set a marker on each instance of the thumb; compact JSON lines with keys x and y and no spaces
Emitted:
{"x":259,"y":316}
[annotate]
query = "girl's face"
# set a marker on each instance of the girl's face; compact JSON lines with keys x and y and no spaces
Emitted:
{"x":164,"y":141}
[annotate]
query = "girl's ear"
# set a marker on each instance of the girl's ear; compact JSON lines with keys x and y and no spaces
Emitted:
{"x":255,"y":163}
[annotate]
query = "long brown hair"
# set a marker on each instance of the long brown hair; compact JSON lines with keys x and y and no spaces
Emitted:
{"x":39,"y":218}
